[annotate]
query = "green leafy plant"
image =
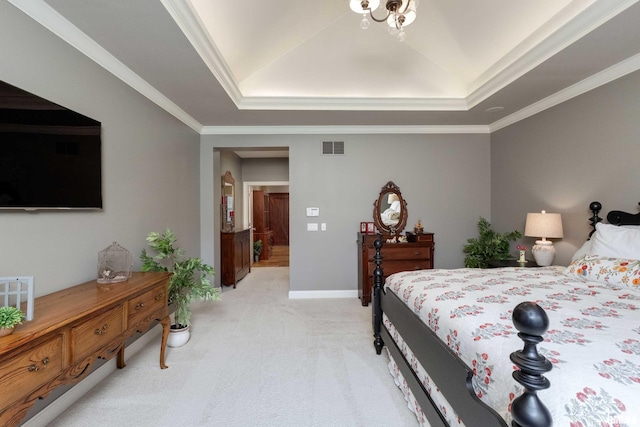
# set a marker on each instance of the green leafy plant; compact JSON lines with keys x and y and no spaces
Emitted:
{"x":489,"y":245}
{"x":257,"y":247}
{"x":10,"y":317}
{"x":190,"y":279}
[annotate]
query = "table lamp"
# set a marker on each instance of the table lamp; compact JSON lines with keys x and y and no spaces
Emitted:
{"x":543,"y":225}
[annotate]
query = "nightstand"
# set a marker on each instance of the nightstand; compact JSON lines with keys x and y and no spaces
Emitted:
{"x":497,"y":263}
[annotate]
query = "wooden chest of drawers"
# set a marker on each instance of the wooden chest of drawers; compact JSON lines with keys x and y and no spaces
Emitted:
{"x":25,"y":372}
{"x":71,"y":329}
{"x":397,"y":257}
{"x":236,"y":253}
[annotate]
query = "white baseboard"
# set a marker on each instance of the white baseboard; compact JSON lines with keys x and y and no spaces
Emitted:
{"x":322,"y":294}
{"x":58,"y":406}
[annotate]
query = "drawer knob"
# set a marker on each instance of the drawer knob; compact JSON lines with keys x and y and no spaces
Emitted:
{"x":139,"y":305}
{"x":159,"y":296}
{"x":34,"y":367}
{"x":99,"y":331}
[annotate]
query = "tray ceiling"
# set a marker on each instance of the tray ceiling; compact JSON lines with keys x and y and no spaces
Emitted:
{"x":216,"y":63}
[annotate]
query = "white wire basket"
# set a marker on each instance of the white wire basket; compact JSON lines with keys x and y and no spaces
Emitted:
{"x":114,"y":264}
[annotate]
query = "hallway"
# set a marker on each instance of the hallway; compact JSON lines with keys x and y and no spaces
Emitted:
{"x":279,"y":258}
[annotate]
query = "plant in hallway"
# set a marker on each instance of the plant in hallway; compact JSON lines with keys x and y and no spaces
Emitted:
{"x":9,"y":318}
{"x":489,"y":245}
{"x":190,"y":280}
{"x":257,"y":250}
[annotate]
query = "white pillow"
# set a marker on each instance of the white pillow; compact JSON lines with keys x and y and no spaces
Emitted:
{"x":584,"y":250}
{"x":616,"y":242}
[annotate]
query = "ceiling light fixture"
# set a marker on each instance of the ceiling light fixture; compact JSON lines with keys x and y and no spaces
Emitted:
{"x":400,"y":13}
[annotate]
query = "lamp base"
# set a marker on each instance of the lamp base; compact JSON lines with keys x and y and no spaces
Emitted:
{"x":544,"y":252}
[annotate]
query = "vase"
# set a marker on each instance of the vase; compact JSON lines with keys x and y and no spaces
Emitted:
{"x":522,"y":256}
{"x":178,"y":337}
{"x":6,"y":331}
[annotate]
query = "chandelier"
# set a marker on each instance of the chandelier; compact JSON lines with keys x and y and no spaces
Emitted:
{"x":400,"y":13}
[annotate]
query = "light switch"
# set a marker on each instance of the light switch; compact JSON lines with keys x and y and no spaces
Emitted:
{"x":323,"y":226}
{"x":313,"y":226}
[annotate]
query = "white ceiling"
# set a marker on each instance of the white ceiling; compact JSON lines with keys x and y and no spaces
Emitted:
{"x":250,"y":66}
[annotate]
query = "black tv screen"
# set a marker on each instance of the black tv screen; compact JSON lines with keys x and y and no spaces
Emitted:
{"x":50,"y":156}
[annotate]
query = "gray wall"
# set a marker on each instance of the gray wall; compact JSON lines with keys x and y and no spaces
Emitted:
{"x":444,"y":178}
{"x":275,"y":169}
{"x":562,"y":159}
{"x":150,"y":164}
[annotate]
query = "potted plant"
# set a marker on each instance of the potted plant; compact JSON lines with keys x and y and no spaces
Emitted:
{"x":189,"y":282}
{"x":489,"y":245}
{"x":257,"y":250}
{"x":9,"y":318}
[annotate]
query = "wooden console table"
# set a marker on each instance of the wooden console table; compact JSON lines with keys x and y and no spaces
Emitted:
{"x":71,"y":329}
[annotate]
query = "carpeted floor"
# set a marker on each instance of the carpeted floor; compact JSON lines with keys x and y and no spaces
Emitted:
{"x":255,"y":359}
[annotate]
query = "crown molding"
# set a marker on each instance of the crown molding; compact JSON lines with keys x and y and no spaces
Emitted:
{"x":538,"y":48}
{"x":608,"y":75}
{"x":343,"y":130}
{"x":46,"y":16}
{"x":353,"y":104}
{"x":193,"y":28}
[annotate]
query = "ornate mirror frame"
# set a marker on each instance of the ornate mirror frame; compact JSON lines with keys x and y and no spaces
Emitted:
{"x":227,"y":217}
{"x":393,"y":228}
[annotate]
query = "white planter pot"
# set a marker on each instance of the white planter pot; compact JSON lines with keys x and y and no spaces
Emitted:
{"x":6,"y":331}
{"x":178,"y":337}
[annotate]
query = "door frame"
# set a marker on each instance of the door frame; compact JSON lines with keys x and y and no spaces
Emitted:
{"x":247,"y":199}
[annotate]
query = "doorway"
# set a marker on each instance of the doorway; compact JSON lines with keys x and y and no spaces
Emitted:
{"x":268,"y":217}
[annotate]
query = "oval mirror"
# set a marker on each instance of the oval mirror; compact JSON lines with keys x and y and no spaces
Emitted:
{"x":226,"y":208}
{"x":390,"y":211}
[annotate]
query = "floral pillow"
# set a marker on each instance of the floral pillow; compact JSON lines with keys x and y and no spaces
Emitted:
{"x":610,"y":271}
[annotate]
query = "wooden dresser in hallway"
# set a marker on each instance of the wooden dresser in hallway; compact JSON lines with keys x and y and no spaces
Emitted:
{"x":235,"y":260}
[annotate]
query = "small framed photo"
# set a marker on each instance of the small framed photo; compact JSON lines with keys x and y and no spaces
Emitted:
{"x":363,"y":227}
{"x":371,"y":228}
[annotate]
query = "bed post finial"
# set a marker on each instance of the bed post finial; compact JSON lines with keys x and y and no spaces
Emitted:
{"x":377,"y":297}
{"x":595,"y":208}
{"x":527,"y":409}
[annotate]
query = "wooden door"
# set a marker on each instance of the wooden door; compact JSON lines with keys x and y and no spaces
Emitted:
{"x":279,"y":218}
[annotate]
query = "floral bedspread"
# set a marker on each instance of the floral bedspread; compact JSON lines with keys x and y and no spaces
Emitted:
{"x":593,"y":339}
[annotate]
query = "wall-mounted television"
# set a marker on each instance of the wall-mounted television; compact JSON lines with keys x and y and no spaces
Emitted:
{"x":50,"y":156}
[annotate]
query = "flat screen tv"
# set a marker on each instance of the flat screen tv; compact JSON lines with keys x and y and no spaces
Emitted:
{"x":50,"y":156}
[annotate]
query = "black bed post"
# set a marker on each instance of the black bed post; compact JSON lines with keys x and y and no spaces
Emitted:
{"x":527,"y":409}
{"x":377,"y":296}
{"x":595,"y":209}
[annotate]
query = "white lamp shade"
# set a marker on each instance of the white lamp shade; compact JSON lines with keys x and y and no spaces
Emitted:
{"x":356,"y":5}
{"x":544,"y":225}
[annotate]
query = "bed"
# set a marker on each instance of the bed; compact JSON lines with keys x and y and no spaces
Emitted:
{"x":463,"y":355}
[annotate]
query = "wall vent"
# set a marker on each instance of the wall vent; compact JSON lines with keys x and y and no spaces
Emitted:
{"x":332,"y":147}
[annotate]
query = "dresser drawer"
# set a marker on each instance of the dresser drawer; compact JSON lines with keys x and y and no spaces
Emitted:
{"x":391,"y":267}
{"x":26,"y":372}
{"x":401,"y":252}
{"x":94,"y":334}
{"x":144,"y":305}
